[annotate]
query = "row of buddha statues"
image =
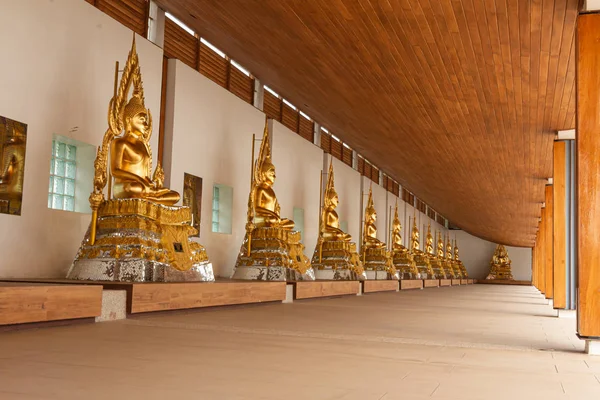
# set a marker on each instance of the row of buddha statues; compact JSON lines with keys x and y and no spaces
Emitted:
{"x":137,"y":233}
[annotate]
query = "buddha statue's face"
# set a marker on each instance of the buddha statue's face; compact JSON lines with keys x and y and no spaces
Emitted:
{"x":334,"y":199}
{"x":374,"y":216}
{"x":269,"y":175}
{"x":138,"y":125}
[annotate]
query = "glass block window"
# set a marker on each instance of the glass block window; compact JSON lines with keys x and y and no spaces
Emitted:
{"x":215,"y":209}
{"x":61,"y":189}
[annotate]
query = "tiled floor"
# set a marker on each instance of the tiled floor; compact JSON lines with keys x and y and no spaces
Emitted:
{"x":463,"y":343}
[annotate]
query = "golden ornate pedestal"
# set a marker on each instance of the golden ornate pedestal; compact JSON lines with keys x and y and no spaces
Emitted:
{"x":405,"y":264}
{"x":276,"y":254}
{"x":378,"y":264}
{"x":424,"y":266}
{"x":338,"y":260}
{"x":141,"y":241}
{"x":438,"y":268}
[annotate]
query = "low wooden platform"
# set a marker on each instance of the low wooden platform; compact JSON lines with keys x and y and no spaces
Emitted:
{"x":22,"y":303}
{"x":147,"y":297}
{"x":380,"y":286}
{"x":470,"y":281}
{"x":406,"y":284}
{"x":456,"y":282}
{"x":312,"y":289}
{"x":464,"y":281}
{"x":445,"y":282}
{"x":431,"y":283}
{"x":503,"y":282}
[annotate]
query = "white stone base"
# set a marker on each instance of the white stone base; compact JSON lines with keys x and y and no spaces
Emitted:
{"x":360,"y":290}
{"x":114,"y":305}
{"x":592,"y":347}
{"x":289,"y":294}
{"x":567,"y":313}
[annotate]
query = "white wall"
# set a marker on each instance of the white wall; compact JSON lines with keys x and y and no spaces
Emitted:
{"x":57,"y":77}
{"x":477,"y":253}
{"x":380,"y":204}
{"x":299,"y":164}
{"x":210,"y":132}
{"x":347,"y":186}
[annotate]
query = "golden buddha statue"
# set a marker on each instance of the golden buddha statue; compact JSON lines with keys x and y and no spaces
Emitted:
{"x":500,"y":266}
{"x":376,"y":258}
{"x":330,"y":229}
{"x":402,"y":259}
{"x":434,"y":255}
{"x":271,"y":250}
{"x":157,"y":246}
{"x":335,"y":256}
{"x":12,"y":166}
{"x":421,"y":258}
{"x":461,"y":266}
{"x":450,"y":264}
{"x":131,"y":161}
{"x":443,"y":258}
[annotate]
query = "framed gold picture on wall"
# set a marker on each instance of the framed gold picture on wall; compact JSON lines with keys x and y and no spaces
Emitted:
{"x":192,"y":198}
{"x":13,"y":138}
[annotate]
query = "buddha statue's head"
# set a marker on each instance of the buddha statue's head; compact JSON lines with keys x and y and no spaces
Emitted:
{"x":456,"y":257}
{"x":267,"y":172}
{"x":371,"y":214}
{"x":331,"y":199}
{"x":136,"y":118}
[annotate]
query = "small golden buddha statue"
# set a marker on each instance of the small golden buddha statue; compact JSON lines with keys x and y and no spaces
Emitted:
{"x":376,"y":258}
{"x":451,"y":265}
{"x":415,"y":241}
{"x":157,"y":246}
{"x":429,"y":242}
{"x":335,"y":256}
{"x":266,"y":206}
{"x":440,"y":247}
{"x":422,"y":260}
{"x":330,"y":229}
{"x":402,"y":260}
{"x":370,"y":240}
{"x":461,"y":266}
{"x":271,"y":250}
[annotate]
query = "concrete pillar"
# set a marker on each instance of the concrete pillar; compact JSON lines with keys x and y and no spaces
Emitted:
{"x":259,"y":95}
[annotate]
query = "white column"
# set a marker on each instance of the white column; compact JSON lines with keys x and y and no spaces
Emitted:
{"x":259,"y":94}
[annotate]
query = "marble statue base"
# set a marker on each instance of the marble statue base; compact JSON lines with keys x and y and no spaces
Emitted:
{"x":141,"y":241}
{"x":275,"y":254}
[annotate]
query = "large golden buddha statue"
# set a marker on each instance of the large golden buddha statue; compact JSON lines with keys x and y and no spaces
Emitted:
{"x":421,"y":258}
{"x":402,"y":259}
{"x":138,"y":234}
{"x":12,"y":165}
{"x":500,"y":266}
{"x":271,"y":250}
{"x":376,"y":258}
{"x":335,"y":256}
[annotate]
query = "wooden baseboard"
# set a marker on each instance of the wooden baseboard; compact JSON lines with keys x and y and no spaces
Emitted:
{"x":380,"y":286}
{"x":406,"y":284}
{"x":445,"y":282}
{"x":431,"y":283}
{"x":312,"y":289}
{"x":22,"y":303}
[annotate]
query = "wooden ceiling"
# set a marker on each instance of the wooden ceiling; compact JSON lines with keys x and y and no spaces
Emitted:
{"x":458,"y":100}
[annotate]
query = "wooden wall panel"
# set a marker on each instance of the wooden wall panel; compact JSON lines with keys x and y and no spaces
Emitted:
{"x":588,"y":185}
{"x":272,"y":106}
{"x":307,"y":128}
{"x":559,"y":239}
{"x":455,"y":99}
{"x":180,"y":44}
{"x":548,"y":244}
{"x":131,"y":13}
